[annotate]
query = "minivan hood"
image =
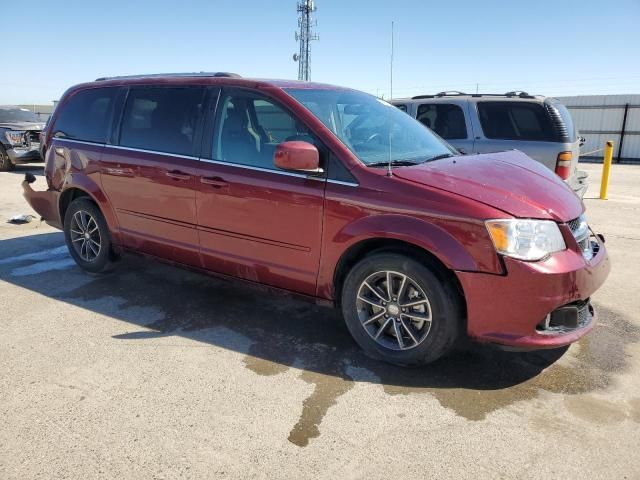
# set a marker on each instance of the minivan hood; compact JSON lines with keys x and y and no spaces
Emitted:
{"x":509,"y":181}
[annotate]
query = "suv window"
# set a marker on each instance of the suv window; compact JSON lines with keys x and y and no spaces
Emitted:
{"x":515,"y":121}
{"x":447,"y":120}
{"x":249,"y":128}
{"x":402,"y":107}
{"x":86,"y":115}
{"x":162,"y":119}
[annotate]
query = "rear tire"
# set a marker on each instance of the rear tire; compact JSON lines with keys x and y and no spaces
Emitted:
{"x":416,"y":322}
{"x":87,"y":236}
{"x":6,"y":165}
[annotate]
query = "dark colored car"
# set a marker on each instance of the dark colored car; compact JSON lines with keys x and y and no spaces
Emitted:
{"x":20,"y":130}
{"x":327,"y":193}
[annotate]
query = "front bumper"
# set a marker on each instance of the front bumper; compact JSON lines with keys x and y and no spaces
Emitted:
{"x":44,"y":203}
{"x":19,"y":155}
{"x":508,"y":309}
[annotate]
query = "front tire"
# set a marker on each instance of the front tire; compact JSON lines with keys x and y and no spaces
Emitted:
{"x":87,"y":236}
{"x":5,"y":162}
{"x":401,"y":311}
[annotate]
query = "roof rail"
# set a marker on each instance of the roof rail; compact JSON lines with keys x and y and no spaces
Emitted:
{"x":186,"y":74}
{"x":449,"y":93}
{"x":518,"y":93}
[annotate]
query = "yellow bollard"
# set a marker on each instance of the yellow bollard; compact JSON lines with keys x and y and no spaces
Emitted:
{"x":606,"y":168}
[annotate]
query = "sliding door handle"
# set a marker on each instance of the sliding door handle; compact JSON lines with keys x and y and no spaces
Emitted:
{"x":178,"y":175}
{"x":215,"y":182}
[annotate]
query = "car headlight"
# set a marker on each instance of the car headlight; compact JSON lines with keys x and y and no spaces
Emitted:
{"x":14,"y":137}
{"x":525,"y":239}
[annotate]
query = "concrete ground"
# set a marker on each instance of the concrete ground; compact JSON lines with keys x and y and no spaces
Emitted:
{"x":154,"y":372}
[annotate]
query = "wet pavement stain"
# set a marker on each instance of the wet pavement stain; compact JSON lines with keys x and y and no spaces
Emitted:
{"x":327,"y":390}
{"x":282,"y":334}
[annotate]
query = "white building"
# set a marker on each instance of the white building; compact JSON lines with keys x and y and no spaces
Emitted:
{"x":608,"y":117}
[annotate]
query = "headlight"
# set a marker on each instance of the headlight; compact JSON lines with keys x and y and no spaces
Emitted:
{"x":525,"y":239}
{"x":15,"y":137}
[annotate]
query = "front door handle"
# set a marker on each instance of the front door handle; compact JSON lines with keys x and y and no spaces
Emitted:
{"x":215,"y":182}
{"x":119,"y":172}
{"x":178,"y":175}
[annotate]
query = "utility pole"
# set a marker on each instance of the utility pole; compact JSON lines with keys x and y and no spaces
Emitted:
{"x":305,"y":36}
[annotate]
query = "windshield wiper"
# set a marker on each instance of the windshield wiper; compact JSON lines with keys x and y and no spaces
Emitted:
{"x":393,"y":163}
{"x":440,"y":157}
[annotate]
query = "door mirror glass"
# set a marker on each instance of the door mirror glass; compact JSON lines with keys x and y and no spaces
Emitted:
{"x":297,"y":156}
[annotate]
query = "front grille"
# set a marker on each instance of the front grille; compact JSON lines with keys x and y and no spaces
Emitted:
{"x":33,"y":136}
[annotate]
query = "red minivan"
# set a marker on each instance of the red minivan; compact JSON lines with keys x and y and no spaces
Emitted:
{"x":328,"y":193}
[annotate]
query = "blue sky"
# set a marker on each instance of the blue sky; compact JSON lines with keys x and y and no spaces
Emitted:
{"x":548,"y":47}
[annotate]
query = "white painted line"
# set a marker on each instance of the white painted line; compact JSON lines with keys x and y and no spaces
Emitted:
{"x":42,"y":255}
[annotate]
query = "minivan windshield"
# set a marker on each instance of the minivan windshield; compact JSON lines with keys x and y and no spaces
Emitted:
{"x":9,"y":115}
{"x":375,"y":131}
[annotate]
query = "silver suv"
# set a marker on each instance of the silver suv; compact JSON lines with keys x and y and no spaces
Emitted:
{"x":539,"y":126}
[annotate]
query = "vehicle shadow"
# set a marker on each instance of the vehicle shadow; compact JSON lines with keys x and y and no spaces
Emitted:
{"x":35,"y":168}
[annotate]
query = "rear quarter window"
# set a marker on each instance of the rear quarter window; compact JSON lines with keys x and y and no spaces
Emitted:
{"x":86,"y":115}
{"x":516,"y":121}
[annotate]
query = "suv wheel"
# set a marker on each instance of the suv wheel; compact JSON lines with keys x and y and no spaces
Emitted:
{"x":87,"y":236}
{"x":399,"y":311}
{"x":5,"y":162}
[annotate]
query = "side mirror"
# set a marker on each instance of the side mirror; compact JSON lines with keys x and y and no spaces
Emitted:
{"x":298,"y":157}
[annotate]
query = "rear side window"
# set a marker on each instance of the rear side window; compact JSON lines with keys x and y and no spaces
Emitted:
{"x":515,"y":121}
{"x":162,"y":119}
{"x":447,"y":120}
{"x":86,"y":115}
{"x":401,"y":107}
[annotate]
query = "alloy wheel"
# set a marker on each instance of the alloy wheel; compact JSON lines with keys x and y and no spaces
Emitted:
{"x":85,"y":236}
{"x":394,"y":310}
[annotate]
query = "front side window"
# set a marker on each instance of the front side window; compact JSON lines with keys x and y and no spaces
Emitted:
{"x":86,"y":115}
{"x":515,"y":121}
{"x":374,"y":130}
{"x":162,"y":119}
{"x":447,"y":120}
{"x":249,"y":128}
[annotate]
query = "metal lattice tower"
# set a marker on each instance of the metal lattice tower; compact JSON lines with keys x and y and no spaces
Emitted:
{"x":305,"y":36}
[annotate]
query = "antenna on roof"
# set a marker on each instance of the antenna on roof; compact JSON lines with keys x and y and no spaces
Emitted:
{"x":389,"y":170}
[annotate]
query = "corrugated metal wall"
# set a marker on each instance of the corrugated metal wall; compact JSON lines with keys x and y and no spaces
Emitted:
{"x":600,"y":118}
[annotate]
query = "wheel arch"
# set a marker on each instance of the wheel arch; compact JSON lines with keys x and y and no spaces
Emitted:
{"x":91,"y":191}
{"x":370,"y":246}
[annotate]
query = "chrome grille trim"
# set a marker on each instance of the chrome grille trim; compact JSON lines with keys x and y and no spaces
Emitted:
{"x":581,"y":232}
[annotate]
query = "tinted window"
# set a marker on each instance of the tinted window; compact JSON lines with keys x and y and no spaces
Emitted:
{"x":445,"y":119}
{"x":401,"y":107}
{"x":86,"y":115}
{"x":515,"y":121}
{"x":162,"y":119}
{"x":249,"y":129}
